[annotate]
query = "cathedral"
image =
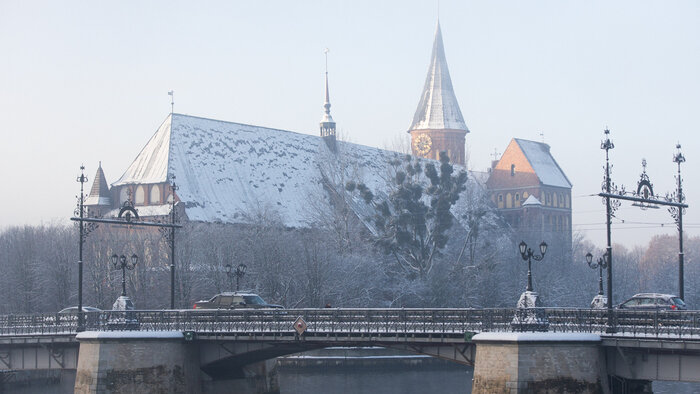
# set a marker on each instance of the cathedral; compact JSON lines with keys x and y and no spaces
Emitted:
{"x":226,"y":170}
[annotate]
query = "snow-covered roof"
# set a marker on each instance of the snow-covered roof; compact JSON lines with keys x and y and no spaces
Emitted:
{"x":230,"y":172}
{"x":145,"y":210}
{"x":438,"y":108}
{"x":151,"y":164}
{"x":542,"y":161}
{"x":225,"y":171}
{"x":532,"y":200}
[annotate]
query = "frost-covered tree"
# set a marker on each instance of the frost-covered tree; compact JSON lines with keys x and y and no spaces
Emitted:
{"x":412,"y":222}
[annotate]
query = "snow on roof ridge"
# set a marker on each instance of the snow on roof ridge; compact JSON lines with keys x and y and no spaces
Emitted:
{"x":242,"y":124}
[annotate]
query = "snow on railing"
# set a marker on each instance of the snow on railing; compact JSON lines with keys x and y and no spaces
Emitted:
{"x":354,"y":322}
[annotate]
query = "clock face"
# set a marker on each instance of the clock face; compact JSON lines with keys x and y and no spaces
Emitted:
{"x":422,"y":144}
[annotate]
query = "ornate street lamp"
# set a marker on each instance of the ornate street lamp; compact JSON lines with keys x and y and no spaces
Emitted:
{"x":600,"y":264}
{"x":120,"y":262}
{"x":239,"y":273}
{"x":527,"y":254}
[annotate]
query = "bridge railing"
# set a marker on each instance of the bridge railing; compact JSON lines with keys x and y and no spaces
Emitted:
{"x":445,"y":322}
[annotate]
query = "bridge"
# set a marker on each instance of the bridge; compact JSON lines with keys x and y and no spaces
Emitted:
{"x":215,"y":350}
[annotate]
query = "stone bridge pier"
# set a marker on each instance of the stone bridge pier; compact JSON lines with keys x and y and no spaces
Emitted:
{"x":515,"y":363}
{"x":164,"y":362}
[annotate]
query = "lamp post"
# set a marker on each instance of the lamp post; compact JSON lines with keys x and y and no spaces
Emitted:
{"x":678,"y":158}
{"x":82,"y":179}
{"x":527,"y":254}
{"x":600,"y":264}
{"x":239,"y":273}
{"x":606,"y":145}
{"x":120,"y":262}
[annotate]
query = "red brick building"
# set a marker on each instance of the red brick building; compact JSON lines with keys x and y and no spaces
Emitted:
{"x":532,"y":193}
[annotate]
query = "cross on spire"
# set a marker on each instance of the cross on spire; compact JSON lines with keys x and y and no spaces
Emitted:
{"x":495,"y":154}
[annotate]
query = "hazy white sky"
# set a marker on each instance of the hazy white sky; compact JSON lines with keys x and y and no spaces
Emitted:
{"x":85,"y":81}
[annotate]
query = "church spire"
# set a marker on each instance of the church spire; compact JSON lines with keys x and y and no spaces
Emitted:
{"x":438,"y":108}
{"x":327,"y":124}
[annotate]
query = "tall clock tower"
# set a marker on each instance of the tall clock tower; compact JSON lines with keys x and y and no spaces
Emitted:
{"x":438,"y":125}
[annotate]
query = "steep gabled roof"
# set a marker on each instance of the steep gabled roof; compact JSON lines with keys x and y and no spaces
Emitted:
{"x":438,"y":108}
{"x":99,"y":193}
{"x":542,"y":161}
{"x":151,"y":164}
{"x":527,"y":163}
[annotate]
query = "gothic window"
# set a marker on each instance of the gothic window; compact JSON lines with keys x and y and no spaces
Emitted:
{"x":500,"y":200}
{"x":140,"y":196}
{"x":155,"y":195}
{"x":509,"y":200}
{"x":525,"y":195}
{"x":517,"y":200}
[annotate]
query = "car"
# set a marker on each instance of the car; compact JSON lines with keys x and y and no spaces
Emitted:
{"x":74,"y":310}
{"x":654,"y":301}
{"x":70,"y":315}
{"x":234,"y":300}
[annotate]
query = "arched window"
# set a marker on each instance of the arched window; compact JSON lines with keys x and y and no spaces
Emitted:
{"x":517,"y":200}
{"x":509,"y":200}
{"x":554,"y":199}
{"x":500,"y":200}
{"x":155,"y":195}
{"x":525,"y":195}
{"x":140,"y":196}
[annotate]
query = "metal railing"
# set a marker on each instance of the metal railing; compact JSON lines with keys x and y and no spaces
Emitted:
{"x":350,"y":322}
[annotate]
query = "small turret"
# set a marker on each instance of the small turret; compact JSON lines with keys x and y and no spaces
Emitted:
{"x":99,"y":200}
{"x":327,"y":123}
